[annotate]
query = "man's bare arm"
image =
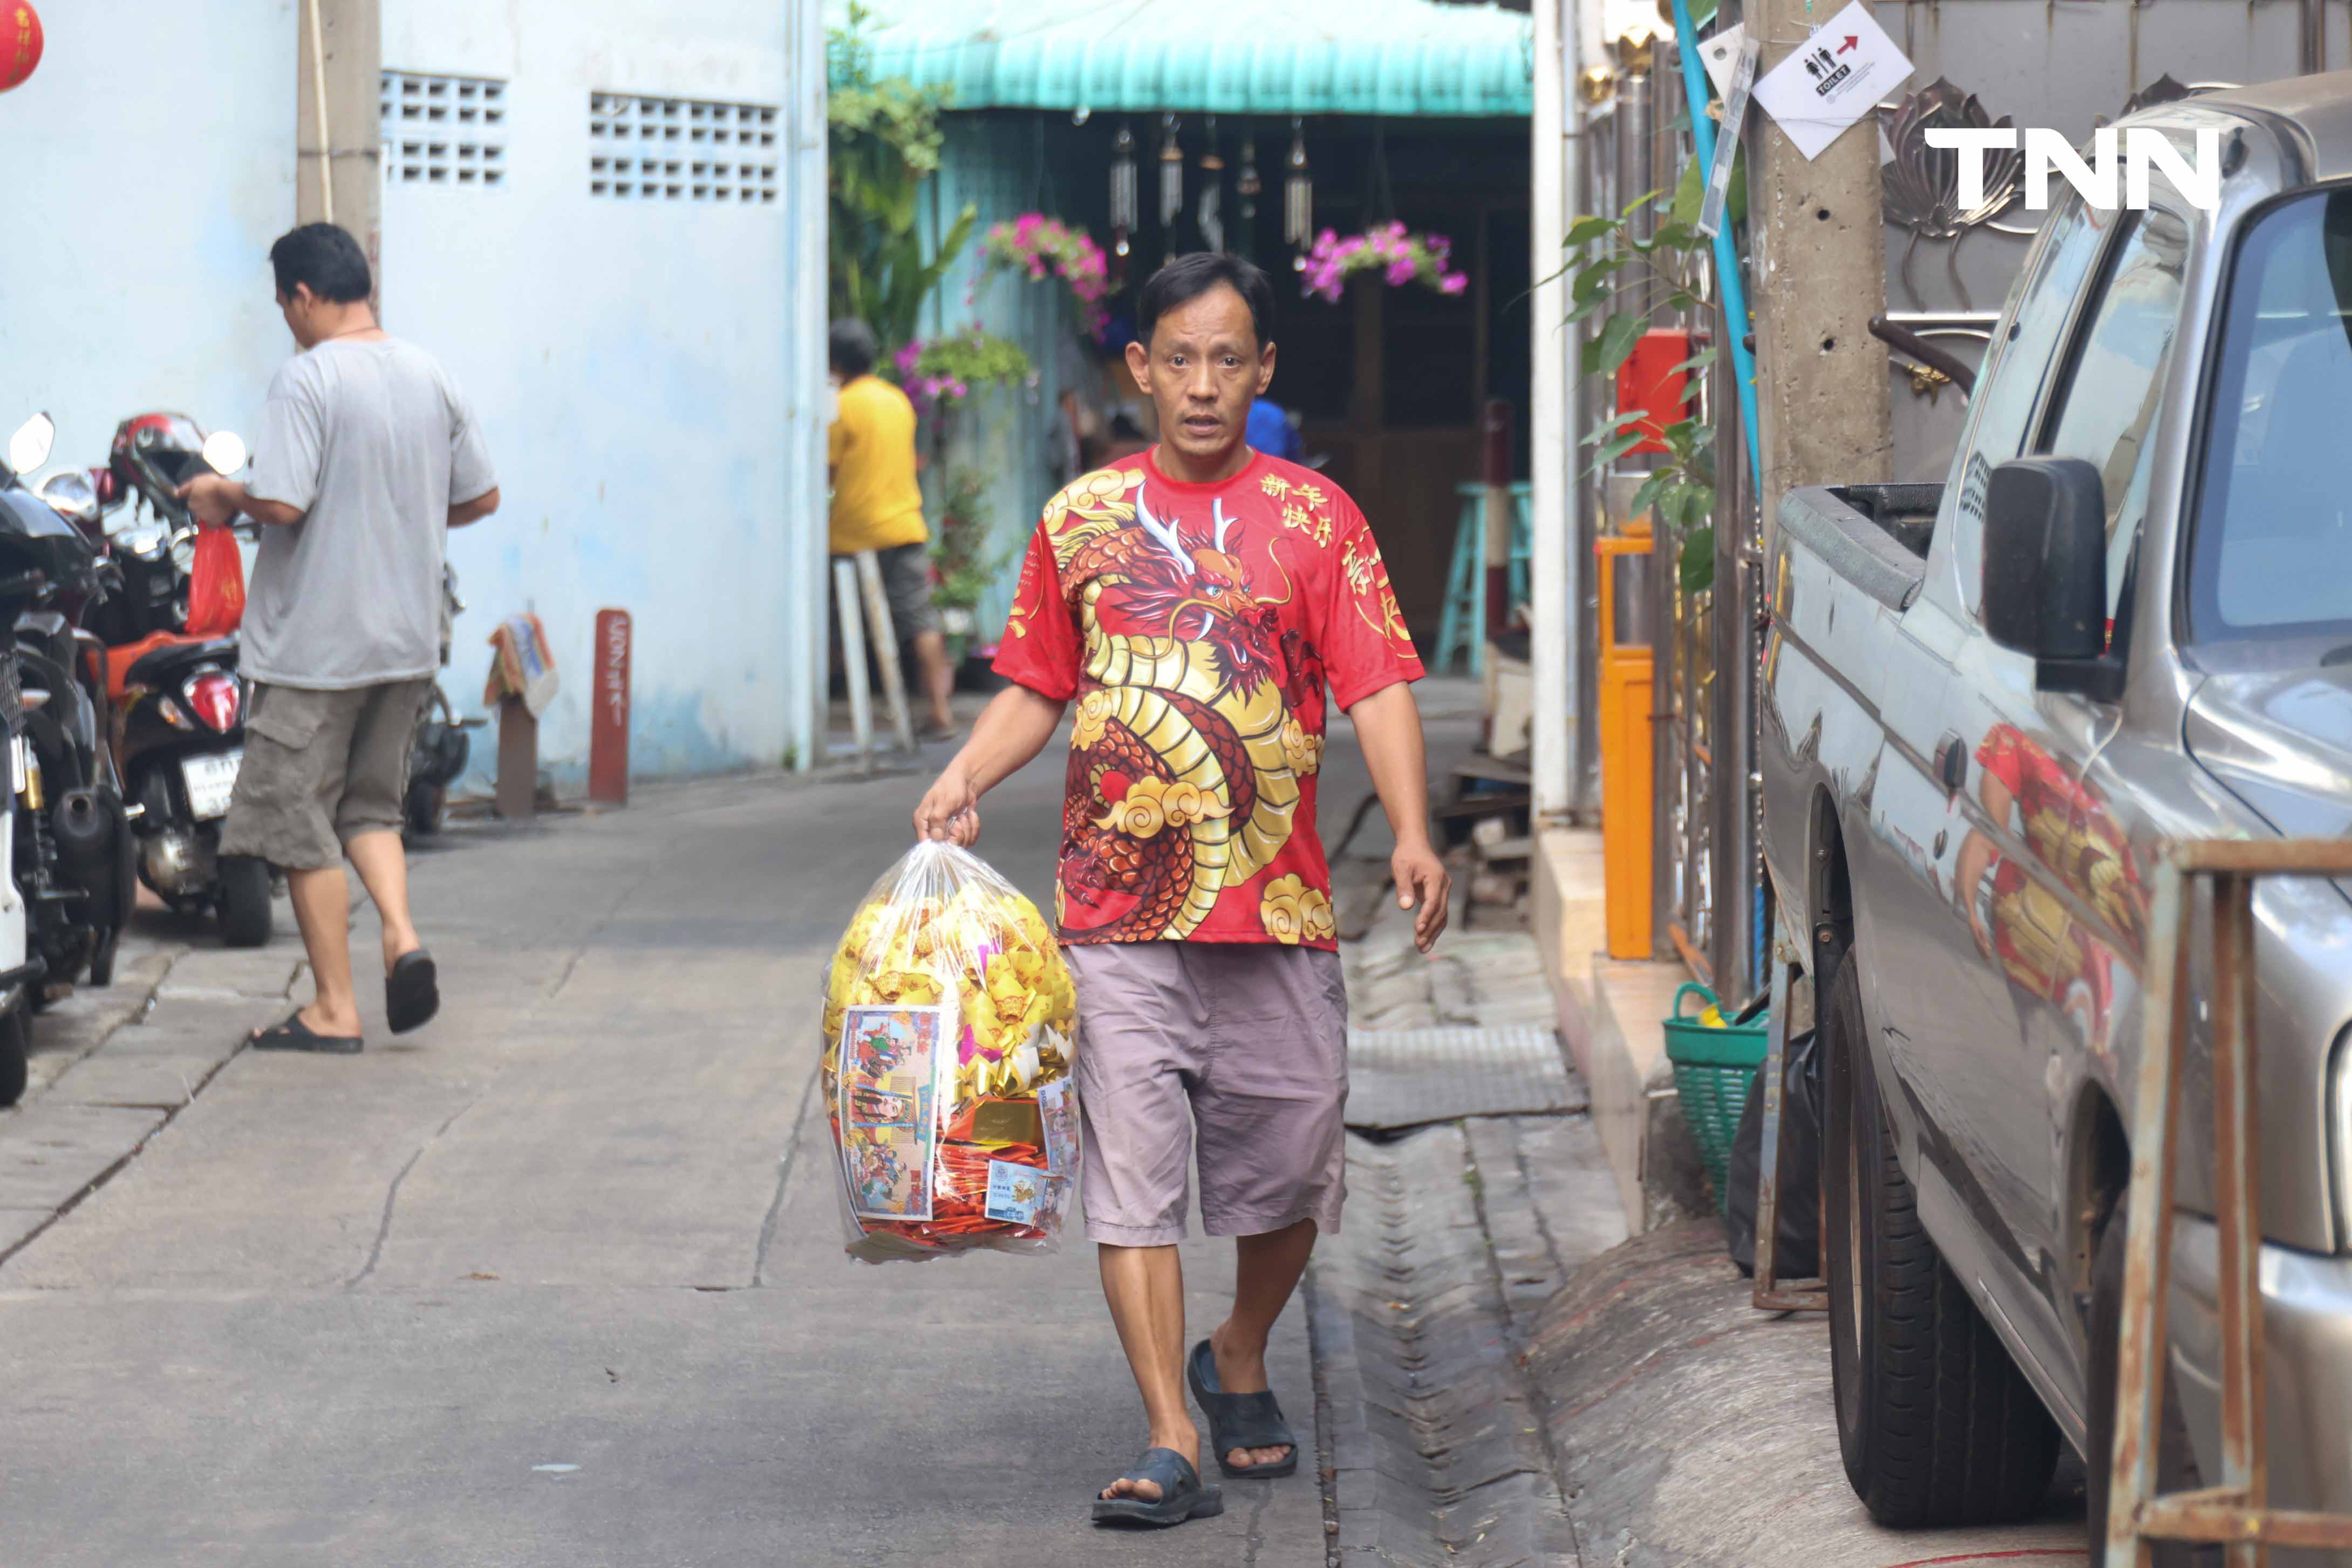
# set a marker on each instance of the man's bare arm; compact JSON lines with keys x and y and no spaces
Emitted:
{"x":474,"y":511}
{"x":1012,"y":728}
{"x":215,"y":498}
{"x":1388,"y":726}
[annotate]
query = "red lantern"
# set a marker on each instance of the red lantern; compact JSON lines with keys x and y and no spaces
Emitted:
{"x":20,"y":42}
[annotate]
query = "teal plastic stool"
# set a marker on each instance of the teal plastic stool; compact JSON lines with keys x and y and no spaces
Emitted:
{"x":1461,"y":629}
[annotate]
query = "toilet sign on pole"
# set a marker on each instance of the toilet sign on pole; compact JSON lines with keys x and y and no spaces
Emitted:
{"x":608,"y":723}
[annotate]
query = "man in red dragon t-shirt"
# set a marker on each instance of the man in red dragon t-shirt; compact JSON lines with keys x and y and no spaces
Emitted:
{"x":1196,"y":599}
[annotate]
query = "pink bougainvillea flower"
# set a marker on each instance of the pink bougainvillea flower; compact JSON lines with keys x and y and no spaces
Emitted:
{"x":1452,"y":283}
{"x":1401,"y":271}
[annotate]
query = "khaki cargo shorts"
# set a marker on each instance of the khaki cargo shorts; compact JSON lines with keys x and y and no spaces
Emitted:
{"x":1238,"y":1050}
{"x":322,"y":767}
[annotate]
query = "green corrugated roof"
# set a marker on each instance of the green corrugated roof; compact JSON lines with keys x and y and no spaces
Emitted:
{"x":1227,"y":57}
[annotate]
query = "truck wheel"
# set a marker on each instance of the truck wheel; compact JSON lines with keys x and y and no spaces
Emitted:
{"x":244,"y":912}
{"x":14,"y":1037}
{"x":2176,"y":1465}
{"x":1935,"y":1424}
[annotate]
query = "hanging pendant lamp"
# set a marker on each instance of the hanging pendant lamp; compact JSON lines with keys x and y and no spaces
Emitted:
{"x":1122,"y":190}
{"x":1171,"y":179}
{"x":1212,"y":213}
{"x":1298,"y":197}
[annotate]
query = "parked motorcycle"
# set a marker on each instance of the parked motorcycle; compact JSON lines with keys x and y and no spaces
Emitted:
{"x":69,"y":839}
{"x":442,"y":746}
{"x":179,"y":733}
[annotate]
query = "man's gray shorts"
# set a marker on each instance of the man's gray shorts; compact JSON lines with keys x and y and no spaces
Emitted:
{"x":322,"y":767}
{"x":907,"y":586}
{"x":1237,"y":1049}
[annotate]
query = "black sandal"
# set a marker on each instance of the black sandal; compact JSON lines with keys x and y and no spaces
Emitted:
{"x":1182,"y":1495}
{"x":1241,"y":1420}
{"x":294,"y":1035}
{"x":412,"y":992}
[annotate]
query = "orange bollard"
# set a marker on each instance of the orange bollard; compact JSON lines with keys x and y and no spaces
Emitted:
{"x":1625,"y":782}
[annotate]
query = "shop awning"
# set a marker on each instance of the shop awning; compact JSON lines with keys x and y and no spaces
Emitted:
{"x":1234,"y":57}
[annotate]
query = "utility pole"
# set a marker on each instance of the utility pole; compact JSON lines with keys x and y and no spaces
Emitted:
{"x":1820,"y":276}
{"x":338,"y":128}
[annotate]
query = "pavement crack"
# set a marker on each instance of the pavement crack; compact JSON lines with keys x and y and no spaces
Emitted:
{"x":392,"y":1194}
{"x":784,"y":1181}
{"x":1255,"y":1537}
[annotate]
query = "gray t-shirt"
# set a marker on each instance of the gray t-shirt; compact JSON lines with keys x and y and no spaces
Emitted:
{"x":373,"y":442}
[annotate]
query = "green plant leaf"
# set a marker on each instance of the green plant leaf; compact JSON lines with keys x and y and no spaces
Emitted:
{"x":1611,"y":451}
{"x":1611,"y":427}
{"x":1593,"y":277}
{"x":1615,"y":344}
{"x":1647,"y":495}
{"x":1690,"y":195}
{"x":1699,"y":360}
{"x":1694,"y":565}
{"x":1585,"y":230}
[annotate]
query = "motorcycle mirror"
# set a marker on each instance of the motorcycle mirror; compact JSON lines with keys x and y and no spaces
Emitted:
{"x":28,"y":448}
{"x":225,"y":451}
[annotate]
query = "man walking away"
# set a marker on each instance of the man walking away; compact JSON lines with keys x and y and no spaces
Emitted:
{"x":1197,"y":601}
{"x":878,"y":506}
{"x":367,"y":454}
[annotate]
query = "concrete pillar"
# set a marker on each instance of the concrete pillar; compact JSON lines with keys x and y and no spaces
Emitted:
{"x":1554,"y":422}
{"x":339,"y":172}
{"x":1820,"y":276}
{"x":807,"y":399}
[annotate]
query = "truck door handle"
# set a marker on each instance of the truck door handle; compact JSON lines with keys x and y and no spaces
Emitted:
{"x":1952,"y":763}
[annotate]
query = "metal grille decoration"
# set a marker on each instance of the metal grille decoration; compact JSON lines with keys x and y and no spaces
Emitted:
{"x":1922,"y":184}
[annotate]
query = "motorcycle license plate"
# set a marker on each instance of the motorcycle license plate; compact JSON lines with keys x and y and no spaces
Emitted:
{"x":210,"y":781}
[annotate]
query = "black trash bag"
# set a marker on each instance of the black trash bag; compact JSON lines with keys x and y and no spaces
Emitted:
{"x":1798,"y":1256}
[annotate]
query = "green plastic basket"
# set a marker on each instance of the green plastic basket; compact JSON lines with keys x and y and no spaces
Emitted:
{"x":1713,"y":1069}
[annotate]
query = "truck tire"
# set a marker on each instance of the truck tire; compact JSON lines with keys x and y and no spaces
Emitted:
{"x":1936,"y":1424}
{"x":2175,"y":1464}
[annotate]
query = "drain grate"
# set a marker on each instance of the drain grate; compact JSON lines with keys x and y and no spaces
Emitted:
{"x":1408,"y":1078}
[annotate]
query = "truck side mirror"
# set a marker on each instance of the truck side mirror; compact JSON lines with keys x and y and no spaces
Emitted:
{"x":2045,"y":573}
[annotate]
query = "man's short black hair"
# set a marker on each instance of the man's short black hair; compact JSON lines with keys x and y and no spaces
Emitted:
{"x":1189,"y":277}
{"x":849,"y":344}
{"x":326,"y":257}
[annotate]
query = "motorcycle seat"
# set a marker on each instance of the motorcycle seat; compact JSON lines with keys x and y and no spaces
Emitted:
{"x":152,"y":658}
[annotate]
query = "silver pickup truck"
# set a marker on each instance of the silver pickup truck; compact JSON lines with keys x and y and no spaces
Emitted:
{"x":1987,"y":706}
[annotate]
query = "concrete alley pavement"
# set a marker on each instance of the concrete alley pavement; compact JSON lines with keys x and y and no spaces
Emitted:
{"x":532,"y":1287}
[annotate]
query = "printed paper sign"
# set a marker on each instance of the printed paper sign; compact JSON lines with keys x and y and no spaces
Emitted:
{"x":1721,"y":55}
{"x":890,"y":1059}
{"x":1058,"y":1102}
{"x":1835,"y":78}
{"x":1021,"y":1195}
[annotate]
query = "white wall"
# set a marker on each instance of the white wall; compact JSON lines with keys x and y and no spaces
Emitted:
{"x":149,"y":164}
{"x":627,"y":359}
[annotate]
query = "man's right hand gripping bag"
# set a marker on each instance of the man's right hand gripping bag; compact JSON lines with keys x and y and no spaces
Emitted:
{"x":950,"y":1029}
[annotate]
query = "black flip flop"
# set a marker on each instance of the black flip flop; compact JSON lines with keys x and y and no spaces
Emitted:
{"x":1182,"y":1495}
{"x":1241,"y":1420}
{"x":294,"y":1035}
{"x":412,"y":992}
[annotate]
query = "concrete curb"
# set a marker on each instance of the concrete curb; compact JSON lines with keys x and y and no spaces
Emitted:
{"x":1696,"y":1431}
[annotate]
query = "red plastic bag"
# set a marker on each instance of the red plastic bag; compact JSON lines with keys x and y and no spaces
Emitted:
{"x":215,"y":583}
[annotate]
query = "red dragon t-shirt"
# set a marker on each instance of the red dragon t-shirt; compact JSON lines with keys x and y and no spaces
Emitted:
{"x":1197,"y":625}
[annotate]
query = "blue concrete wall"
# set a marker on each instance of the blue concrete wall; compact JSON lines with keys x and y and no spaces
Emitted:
{"x":150,"y":162}
{"x":627,"y":358}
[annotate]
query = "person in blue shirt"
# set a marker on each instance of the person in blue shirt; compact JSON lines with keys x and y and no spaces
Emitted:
{"x":1270,"y":431}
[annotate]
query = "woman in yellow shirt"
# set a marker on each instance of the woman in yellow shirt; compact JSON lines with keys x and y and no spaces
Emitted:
{"x":878,"y":506}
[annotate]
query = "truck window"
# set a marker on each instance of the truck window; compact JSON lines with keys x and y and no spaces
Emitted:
{"x":2015,"y":368}
{"x":2271,"y":549}
{"x":2105,"y":408}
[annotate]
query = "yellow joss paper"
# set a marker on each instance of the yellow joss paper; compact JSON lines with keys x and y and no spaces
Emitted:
{"x":949,"y":1016}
